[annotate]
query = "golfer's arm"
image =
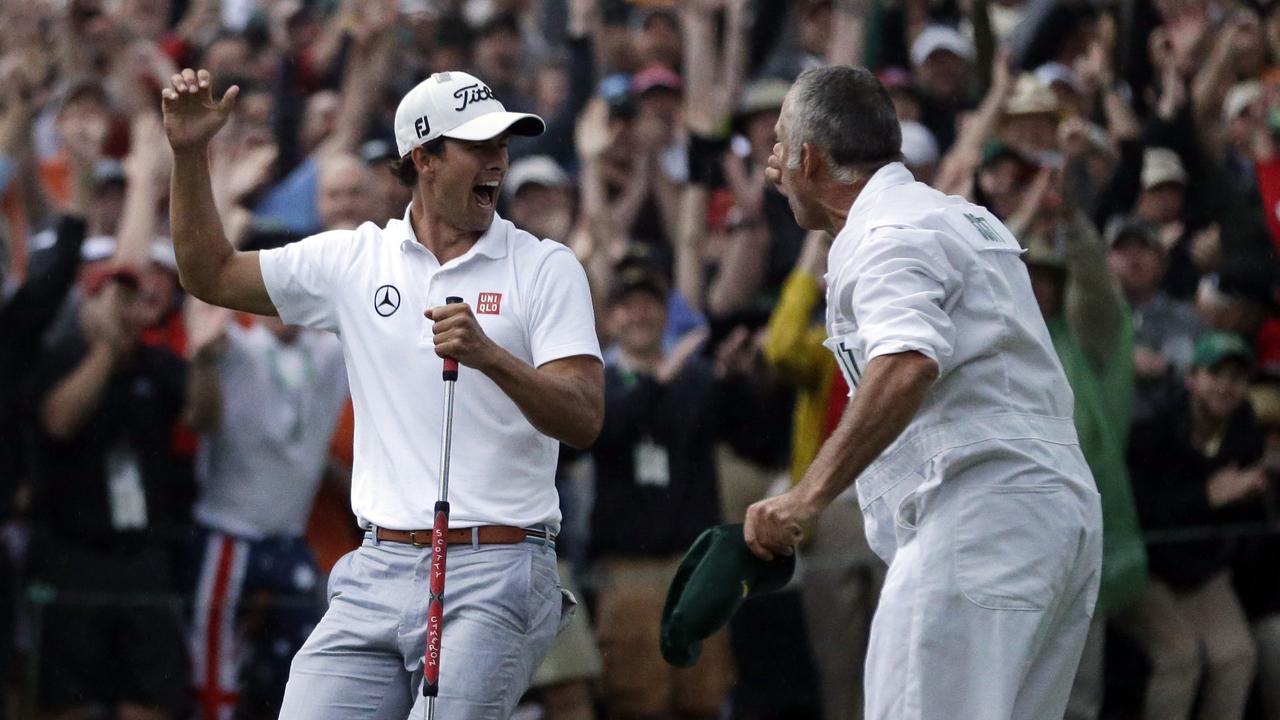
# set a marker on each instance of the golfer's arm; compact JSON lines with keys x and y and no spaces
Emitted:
{"x":563,"y":398}
{"x":892,"y":389}
{"x":208,"y":266}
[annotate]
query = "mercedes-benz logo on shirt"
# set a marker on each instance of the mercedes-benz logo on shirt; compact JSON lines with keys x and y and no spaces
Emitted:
{"x":386,"y":300}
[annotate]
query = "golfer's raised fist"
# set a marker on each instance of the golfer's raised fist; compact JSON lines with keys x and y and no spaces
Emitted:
{"x":191,"y":116}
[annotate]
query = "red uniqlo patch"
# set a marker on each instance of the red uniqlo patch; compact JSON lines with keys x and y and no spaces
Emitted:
{"x":489,"y":303}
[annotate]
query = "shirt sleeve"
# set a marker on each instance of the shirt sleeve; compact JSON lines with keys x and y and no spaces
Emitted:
{"x":895,"y":286}
{"x":562,"y":322}
{"x":302,"y":278}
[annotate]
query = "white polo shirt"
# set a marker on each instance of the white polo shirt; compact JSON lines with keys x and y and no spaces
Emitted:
{"x":258,"y":473}
{"x":914,"y":269}
{"x":371,"y":286}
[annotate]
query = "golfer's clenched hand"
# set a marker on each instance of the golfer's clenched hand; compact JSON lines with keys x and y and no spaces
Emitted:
{"x":458,"y":335}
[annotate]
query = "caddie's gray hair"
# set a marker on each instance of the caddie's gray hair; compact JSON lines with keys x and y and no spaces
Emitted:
{"x":846,"y":115}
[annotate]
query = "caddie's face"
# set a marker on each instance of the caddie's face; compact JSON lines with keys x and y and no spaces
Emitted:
{"x":462,"y":188}
{"x":792,"y":182}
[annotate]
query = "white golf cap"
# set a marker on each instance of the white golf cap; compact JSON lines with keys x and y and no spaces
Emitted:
{"x":1239,"y":98}
{"x":940,"y":37}
{"x":1160,"y":166}
{"x":1055,"y":72}
{"x":919,"y":147}
{"x":456,"y":105}
{"x":534,"y":170}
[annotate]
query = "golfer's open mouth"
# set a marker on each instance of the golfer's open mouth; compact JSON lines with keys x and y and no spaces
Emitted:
{"x":485,"y":193}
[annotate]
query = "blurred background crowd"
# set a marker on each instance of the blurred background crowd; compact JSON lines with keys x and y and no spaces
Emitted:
{"x":173,"y":477}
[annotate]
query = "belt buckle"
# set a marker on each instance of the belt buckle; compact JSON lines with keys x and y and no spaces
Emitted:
{"x":413,"y":539}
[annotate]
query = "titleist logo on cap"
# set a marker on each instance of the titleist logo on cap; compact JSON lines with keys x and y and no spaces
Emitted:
{"x":468,"y":94}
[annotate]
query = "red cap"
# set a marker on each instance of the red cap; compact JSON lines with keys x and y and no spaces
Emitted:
{"x":95,"y":276}
{"x":655,"y":77}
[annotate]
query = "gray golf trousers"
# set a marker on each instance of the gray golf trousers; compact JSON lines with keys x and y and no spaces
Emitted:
{"x":502,"y":608}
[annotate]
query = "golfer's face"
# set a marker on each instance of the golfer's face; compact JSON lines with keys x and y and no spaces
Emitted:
{"x":469,"y":174}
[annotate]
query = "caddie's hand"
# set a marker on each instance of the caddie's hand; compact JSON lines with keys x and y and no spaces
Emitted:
{"x":191,"y":117}
{"x":773,"y":525}
{"x":458,"y":335}
{"x":773,"y":171}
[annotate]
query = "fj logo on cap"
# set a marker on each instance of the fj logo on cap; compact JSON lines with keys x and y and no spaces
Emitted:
{"x":489,"y":303}
{"x":468,"y":94}
{"x":422,"y":126}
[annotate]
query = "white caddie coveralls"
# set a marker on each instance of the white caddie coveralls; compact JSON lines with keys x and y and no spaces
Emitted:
{"x":984,"y":507}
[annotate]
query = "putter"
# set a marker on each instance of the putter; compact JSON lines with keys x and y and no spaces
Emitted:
{"x":439,"y":545}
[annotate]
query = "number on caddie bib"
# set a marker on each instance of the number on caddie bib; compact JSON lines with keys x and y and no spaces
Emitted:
{"x":848,"y":365}
{"x":984,"y":228}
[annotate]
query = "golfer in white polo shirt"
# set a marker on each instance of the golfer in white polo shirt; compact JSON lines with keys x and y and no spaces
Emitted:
{"x":526,"y":330}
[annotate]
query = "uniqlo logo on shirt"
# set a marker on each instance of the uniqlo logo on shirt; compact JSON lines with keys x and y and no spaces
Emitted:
{"x":489,"y":303}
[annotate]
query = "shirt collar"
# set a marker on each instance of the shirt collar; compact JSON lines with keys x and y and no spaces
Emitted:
{"x":890,"y":175}
{"x":492,"y":244}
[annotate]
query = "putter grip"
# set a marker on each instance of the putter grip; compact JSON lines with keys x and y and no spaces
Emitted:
{"x":435,"y":606}
{"x":451,"y":364}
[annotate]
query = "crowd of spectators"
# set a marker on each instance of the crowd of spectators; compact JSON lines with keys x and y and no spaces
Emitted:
{"x":1133,"y":147}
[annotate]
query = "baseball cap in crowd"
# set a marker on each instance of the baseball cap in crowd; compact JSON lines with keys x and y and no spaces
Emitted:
{"x":109,"y":171}
{"x":77,"y":88}
{"x":456,"y":105}
{"x":1160,"y":166}
{"x":1214,"y":348}
{"x":935,"y":38}
{"x":534,"y":170}
{"x":655,"y":77}
{"x":919,"y":147}
{"x":1055,"y":72}
{"x":764,"y":95}
{"x":94,"y":278}
{"x":615,"y":89}
{"x":1239,"y":98}
{"x":1133,"y":228}
{"x":1030,"y":97}
{"x":638,"y":276}
{"x":717,"y":574}
{"x":996,"y":150}
{"x":377,"y":150}
{"x":103,"y":247}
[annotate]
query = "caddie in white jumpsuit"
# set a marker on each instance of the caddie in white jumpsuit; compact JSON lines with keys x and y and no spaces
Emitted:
{"x":959,"y":432}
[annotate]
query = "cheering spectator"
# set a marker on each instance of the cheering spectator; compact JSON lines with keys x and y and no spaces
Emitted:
{"x":106,"y":493}
{"x":654,"y":460}
{"x":942,"y":71}
{"x":540,"y":197}
{"x":266,"y":399}
{"x":841,"y":592}
{"x":1191,"y":463}
{"x":1165,"y":329}
{"x":1087,"y":317}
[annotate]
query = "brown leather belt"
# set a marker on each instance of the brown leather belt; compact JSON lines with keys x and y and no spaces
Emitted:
{"x":483,"y":535}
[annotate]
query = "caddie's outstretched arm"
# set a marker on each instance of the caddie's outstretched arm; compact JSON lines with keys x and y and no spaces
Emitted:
{"x":891,"y":392}
{"x":209,"y":268}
